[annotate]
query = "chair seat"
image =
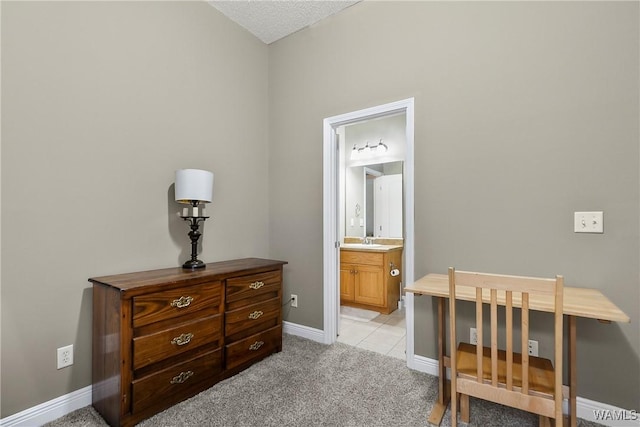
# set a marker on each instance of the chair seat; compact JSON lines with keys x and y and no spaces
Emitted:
{"x":541,"y":372}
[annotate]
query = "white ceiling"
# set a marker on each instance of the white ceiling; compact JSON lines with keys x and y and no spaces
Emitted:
{"x":270,"y":20}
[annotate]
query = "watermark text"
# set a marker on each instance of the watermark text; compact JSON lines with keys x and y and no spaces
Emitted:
{"x":616,"y":415}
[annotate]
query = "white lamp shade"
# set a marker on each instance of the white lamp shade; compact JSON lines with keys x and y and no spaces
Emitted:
{"x":194,"y":185}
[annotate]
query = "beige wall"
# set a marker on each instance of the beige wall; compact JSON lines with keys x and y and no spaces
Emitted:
{"x":524,"y":113}
{"x":101,"y":103}
{"x":536,"y":102}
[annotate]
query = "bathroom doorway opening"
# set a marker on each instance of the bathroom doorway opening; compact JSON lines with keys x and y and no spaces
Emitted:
{"x":338,"y":151}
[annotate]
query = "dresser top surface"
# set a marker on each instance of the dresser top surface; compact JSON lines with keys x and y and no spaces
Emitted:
{"x":167,"y":276}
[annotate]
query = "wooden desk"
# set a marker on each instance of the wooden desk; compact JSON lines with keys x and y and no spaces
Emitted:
{"x":577,"y":302}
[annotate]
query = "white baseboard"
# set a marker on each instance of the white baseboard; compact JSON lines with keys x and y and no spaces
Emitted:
{"x":312,"y":334}
{"x":51,"y":410}
{"x":605,"y":414}
{"x":589,"y":410}
{"x":424,"y":364}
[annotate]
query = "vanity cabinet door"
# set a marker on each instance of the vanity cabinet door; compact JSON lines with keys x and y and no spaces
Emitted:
{"x":369,"y":285}
{"x":347,"y":282}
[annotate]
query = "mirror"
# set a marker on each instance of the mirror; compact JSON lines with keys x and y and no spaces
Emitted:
{"x":373,"y":200}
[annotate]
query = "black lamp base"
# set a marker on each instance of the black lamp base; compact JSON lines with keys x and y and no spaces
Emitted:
{"x":194,"y":264}
{"x":194,"y":221}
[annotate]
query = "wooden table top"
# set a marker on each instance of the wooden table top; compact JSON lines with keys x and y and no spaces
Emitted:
{"x":582,"y":302}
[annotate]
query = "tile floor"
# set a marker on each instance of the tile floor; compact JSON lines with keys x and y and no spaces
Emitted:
{"x":386,"y":333}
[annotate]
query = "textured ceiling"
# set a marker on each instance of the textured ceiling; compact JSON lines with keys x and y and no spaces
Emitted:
{"x":270,"y":20}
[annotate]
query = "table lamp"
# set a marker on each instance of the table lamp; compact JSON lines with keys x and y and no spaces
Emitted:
{"x":193,"y":187}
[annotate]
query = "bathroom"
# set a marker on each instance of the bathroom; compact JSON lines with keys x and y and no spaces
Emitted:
{"x":371,"y":234}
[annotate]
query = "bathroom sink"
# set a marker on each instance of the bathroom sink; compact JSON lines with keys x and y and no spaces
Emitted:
{"x":361,"y":245}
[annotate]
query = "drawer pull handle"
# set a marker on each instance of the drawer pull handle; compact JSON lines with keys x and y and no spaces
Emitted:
{"x":256,"y":345}
{"x":179,"y":379}
{"x":255,"y":314}
{"x":182,"y":339}
{"x":256,"y":285}
{"x":182,"y":302}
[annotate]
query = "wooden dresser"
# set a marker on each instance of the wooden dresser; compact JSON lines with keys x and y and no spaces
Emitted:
{"x":162,"y":336}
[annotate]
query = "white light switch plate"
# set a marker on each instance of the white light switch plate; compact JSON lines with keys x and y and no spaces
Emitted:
{"x":588,"y":222}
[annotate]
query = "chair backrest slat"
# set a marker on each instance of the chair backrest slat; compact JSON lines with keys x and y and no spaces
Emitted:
{"x":525,"y":342}
{"x":558,"y":341}
{"x":452,"y":315}
{"x":494,"y":337}
{"x":479,"y":334}
{"x":509,"y":333}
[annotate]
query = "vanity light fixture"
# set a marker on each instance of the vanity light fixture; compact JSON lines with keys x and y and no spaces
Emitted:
{"x":193,"y":187}
{"x":368,"y":149}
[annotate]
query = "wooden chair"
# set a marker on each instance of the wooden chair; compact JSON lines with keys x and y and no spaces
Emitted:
{"x":503,"y":376}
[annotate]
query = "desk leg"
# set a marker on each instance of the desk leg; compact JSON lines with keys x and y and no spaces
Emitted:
{"x":437,"y":412}
{"x":573,"y":372}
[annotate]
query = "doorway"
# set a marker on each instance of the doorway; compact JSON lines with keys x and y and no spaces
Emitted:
{"x":333,"y":226}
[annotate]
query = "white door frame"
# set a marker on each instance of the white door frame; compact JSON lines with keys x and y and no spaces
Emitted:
{"x":331,"y":249}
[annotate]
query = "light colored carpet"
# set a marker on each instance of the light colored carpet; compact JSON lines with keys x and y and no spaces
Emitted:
{"x":358,"y":314}
{"x":311,"y":384}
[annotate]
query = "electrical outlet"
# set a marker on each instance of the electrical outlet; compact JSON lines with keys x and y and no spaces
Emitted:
{"x":65,"y":356}
{"x":473,"y":336}
{"x":533,"y":348}
{"x":294,"y":300}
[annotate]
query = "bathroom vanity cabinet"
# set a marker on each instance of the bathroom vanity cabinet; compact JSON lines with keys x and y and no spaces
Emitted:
{"x":162,"y":336}
{"x":365,"y":278}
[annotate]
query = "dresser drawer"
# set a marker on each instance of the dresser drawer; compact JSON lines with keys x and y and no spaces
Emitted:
{"x":255,"y":347}
{"x":360,"y":257}
{"x":175,"y":383}
{"x":166,"y":343}
{"x":177,"y":302}
{"x":253,"y":285}
{"x":252,"y":319}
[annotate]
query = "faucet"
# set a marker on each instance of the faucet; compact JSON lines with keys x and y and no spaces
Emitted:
{"x":366,"y":240}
